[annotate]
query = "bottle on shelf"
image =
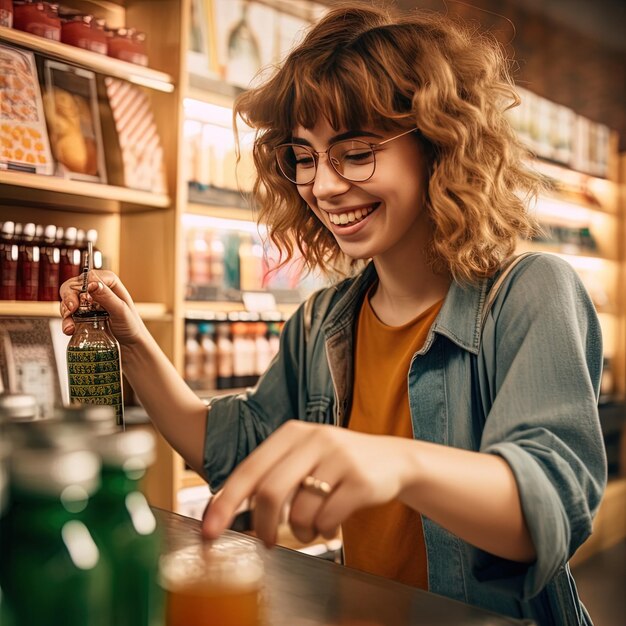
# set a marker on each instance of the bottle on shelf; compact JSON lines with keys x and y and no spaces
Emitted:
{"x":242,"y":359}
{"x":273,"y":330}
{"x":206,"y":332}
{"x":69,"y":263}
{"x":28,"y":264}
{"x":49,"y":261}
{"x":231,"y":260}
{"x":198,"y":262}
{"x":8,"y":262}
{"x":250,"y":264}
{"x":224,"y":356}
{"x":193,"y":357}
{"x":244,"y":56}
{"x":263,"y":351}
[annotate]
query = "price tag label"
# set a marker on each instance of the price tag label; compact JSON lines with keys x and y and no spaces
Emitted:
{"x":258,"y":301}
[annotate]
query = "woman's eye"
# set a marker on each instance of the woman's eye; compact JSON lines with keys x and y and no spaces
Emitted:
{"x":358,"y":156}
{"x":304,"y":161}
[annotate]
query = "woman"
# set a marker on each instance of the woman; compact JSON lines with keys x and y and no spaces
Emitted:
{"x":456,"y":457}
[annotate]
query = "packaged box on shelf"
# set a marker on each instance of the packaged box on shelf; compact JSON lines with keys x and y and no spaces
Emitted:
{"x":71,"y":108}
{"x":24,"y":144}
{"x":134,"y":148}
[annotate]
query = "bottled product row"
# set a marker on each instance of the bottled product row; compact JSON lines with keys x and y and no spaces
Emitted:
{"x":557,"y":133}
{"x":79,"y":542}
{"x":36,"y":259}
{"x":76,"y":28}
{"x":225,"y":258}
{"x":228,"y":355}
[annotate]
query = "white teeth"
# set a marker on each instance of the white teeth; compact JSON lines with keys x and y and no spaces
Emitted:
{"x":350,"y":216}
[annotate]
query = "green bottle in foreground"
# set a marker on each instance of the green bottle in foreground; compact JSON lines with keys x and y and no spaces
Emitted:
{"x":126,"y":528}
{"x":55,"y":573}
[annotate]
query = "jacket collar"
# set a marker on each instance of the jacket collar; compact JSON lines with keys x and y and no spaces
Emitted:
{"x":458,"y":319}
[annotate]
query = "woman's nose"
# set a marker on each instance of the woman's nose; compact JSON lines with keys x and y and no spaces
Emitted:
{"x":327,"y":182}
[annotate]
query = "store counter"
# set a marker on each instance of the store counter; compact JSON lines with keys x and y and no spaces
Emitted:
{"x":302,"y":590}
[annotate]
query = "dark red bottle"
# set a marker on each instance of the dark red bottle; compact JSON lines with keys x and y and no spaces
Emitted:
{"x":69,"y":266}
{"x":8,"y":262}
{"x":49,"y":260}
{"x":28,"y":264}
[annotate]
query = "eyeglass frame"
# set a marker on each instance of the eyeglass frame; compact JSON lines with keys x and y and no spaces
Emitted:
{"x":374,"y":147}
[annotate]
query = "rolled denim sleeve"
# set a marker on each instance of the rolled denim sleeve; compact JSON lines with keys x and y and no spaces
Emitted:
{"x":543,"y":346}
{"x":237,"y":424}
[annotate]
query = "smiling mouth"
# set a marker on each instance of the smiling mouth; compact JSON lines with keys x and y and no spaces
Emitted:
{"x":351,"y":217}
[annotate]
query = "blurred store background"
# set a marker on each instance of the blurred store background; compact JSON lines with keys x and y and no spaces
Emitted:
{"x":116,"y":129}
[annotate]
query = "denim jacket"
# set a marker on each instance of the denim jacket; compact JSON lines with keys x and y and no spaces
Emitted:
{"x":524,"y":387}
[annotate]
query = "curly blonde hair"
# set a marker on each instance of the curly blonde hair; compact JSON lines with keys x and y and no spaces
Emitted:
{"x":362,"y":67}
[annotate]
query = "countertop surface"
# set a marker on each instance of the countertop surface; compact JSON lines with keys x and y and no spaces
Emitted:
{"x":303,"y":590}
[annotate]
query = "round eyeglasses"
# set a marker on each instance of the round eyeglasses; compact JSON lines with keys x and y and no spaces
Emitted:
{"x":353,"y":159}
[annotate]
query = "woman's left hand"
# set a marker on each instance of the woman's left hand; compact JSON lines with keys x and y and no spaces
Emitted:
{"x":360,"y":470}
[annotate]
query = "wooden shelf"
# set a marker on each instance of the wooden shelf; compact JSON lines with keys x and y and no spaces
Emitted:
{"x":194,"y":309}
{"x":60,"y":193}
{"x":211,"y":90}
{"x":148,"y":311}
{"x":99,"y":63}
{"x":224,"y":212}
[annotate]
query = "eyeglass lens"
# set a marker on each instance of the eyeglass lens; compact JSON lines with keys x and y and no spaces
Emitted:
{"x":352,"y":159}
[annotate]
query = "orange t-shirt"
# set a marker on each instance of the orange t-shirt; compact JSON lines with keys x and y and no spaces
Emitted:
{"x":386,"y":540}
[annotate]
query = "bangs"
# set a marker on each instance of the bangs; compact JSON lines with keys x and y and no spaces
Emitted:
{"x":333,"y":96}
{"x":346,"y":92}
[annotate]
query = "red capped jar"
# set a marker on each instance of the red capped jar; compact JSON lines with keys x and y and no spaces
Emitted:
{"x":54,"y":20}
{"x":127,"y":44}
{"x":37,"y":18}
{"x":6,"y":13}
{"x":81,"y":31}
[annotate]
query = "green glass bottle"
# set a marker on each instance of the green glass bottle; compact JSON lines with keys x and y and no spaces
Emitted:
{"x":57,"y":575}
{"x":126,"y":528}
{"x":93,"y":361}
{"x":6,"y":617}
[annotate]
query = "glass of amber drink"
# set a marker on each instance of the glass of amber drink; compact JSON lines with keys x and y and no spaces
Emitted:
{"x":217,"y":583}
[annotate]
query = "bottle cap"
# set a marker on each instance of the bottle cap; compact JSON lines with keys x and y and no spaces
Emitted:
{"x":50,"y":232}
{"x":70,"y":234}
{"x":99,"y":417}
{"x":18,"y":407}
{"x":132,"y":450}
{"x":52,"y":471}
{"x":29,"y":230}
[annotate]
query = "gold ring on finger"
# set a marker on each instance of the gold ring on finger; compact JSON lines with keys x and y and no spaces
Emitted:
{"x":316,"y":486}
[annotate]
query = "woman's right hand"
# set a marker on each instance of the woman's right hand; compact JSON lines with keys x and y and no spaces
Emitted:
{"x":107,"y":290}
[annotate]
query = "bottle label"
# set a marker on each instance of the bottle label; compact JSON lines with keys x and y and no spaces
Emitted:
{"x":95,"y":378}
